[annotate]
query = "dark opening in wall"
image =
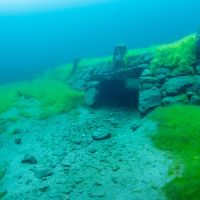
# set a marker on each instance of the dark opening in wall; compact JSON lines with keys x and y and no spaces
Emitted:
{"x":118,"y":93}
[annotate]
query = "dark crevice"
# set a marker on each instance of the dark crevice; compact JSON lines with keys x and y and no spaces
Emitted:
{"x":115,"y":93}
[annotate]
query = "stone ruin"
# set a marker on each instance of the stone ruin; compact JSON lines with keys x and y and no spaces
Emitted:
{"x":128,"y":81}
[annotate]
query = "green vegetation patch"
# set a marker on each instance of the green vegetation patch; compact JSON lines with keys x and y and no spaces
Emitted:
{"x":8,"y":97}
{"x":55,"y":97}
{"x":180,"y":55}
{"x":179,"y":133}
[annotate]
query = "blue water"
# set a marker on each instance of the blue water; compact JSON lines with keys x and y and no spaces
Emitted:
{"x":32,"y":42}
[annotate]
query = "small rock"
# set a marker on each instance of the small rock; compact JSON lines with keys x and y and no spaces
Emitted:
{"x":29,"y":159}
{"x":115,"y":167}
{"x":18,"y":141}
{"x":42,"y":173}
{"x":92,"y":150}
{"x":77,"y":141}
{"x":97,"y":135}
{"x":136,"y":125}
{"x":78,"y":180}
{"x":67,"y":162}
{"x":68,"y":191}
{"x":44,"y":188}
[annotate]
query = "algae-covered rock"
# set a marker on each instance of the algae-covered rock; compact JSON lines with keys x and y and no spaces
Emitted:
{"x":175,"y":100}
{"x":149,"y":99}
{"x":177,"y":85}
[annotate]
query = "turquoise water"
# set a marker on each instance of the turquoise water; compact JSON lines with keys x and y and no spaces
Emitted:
{"x":99,"y":100}
{"x":36,"y":40}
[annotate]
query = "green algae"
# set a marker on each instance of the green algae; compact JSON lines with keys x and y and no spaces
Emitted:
{"x":55,"y":97}
{"x":179,"y":133}
{"x":180,"y":55}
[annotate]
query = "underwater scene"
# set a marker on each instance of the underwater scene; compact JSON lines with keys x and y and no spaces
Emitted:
{"x":100,"y":100}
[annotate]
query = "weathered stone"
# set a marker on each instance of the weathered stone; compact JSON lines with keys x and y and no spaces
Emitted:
{"x":196,"y":85}
{"x":98,"y":135}
{"x":195,"y":100}
{"x":93,"y":84}
{"x":146,"y":86}
{"x":175,"y":100}
{"x":91,"y":96}
{"x":146,"y":72}
{"x":177,"y":85}
{"x":42,"y":173}
{"x":148,"y":80}
{"x":29,"y":159}
{"x":149,"y":99}
{"x":75,"y":65}
{"x":44,"y":188}
{"x":161,"y":73}
{"x":139,"y":59}
{"x":198,"y":46}
{"x":119,"y":55}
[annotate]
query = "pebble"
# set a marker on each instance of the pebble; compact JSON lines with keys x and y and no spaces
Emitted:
{"x":29,"y":159}
{"x":41,"y":173}
{"x":44,"y":188}
{"x":92,"y":150}
{"x":97,"y":135}
{"x":18,"y":141}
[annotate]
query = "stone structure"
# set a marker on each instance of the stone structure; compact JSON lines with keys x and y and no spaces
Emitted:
{"x":119,"y":56}
{"x":198,"y":46}
{"x":107,"y":81}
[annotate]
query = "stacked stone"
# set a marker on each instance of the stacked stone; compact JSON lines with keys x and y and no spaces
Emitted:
{"x":160,"y":87}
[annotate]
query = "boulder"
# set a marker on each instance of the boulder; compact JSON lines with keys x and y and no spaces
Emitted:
{"x":149,"y":99}
{"x":181,"y":99}
{"x":176,"y":85}
{"x":91,"y":96}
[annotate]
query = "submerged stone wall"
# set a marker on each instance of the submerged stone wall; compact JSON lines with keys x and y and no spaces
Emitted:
{"x":122,"y":68}
{"x":157,"y":86}
{"x":161,"y":88}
